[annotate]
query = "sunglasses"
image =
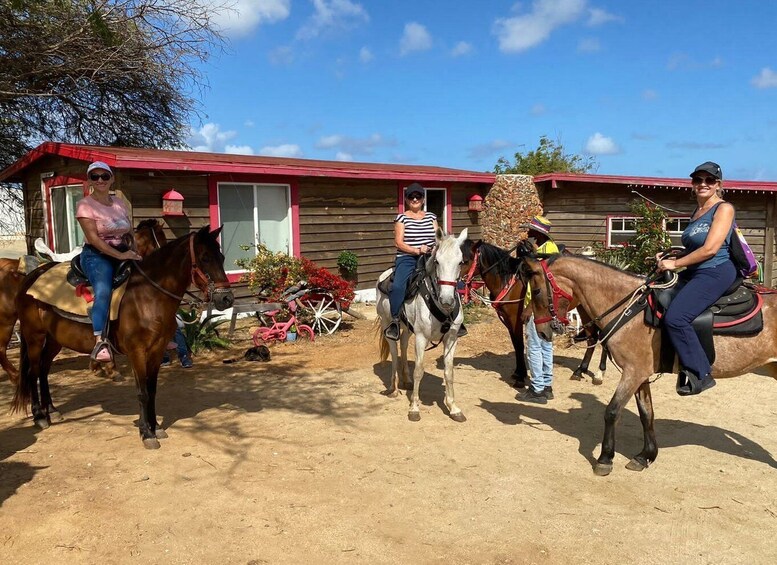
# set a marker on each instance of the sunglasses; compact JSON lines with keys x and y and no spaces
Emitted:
{"x":709,"y":181}
{"x":103,"y":176}
{"x":415,"y":196}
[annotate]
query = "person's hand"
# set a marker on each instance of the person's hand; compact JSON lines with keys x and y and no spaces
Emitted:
{"x":130,"y":256}
{"x":668,"y":264}
{"x":423,"y":250}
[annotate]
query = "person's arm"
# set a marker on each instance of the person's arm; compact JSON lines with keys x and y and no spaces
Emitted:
{"x":89,"y":227}
{"x":399,"y":236}
{"x":719,"y":230}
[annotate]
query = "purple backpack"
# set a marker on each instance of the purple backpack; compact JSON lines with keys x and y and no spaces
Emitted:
{"x":741,"y":254}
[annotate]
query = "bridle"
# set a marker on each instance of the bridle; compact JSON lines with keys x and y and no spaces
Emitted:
{"x":199,"y":279}
{"x":496,"y":302}
{"x":557,"y":322}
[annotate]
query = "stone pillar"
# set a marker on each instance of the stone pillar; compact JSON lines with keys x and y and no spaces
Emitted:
{"x":507,"y":209}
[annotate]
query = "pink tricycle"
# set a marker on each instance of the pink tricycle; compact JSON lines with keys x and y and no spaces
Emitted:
{"x":279,"y":330}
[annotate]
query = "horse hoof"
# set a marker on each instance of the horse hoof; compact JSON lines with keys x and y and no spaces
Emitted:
{"x":602,"y":469}
{"x":597,"y":380}
{"x":459,"y":417}
{"x":160,"y":433}
{"x":118,"y":378}
{"x":41,"y":423}
{"x":151,"y":443}
{"x":392,"y":393}
{"x":576,"y":377}
{"x":414,"y":416}
{"x":636,"y":465}
{"x":519,"y":384}
{"x":55,"y":417}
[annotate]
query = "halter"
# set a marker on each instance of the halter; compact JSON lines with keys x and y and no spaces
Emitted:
{"x":502,"y":293}
{"x":557,"y":292}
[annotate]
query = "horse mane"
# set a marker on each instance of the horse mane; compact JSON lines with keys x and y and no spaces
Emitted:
{"x":552,"y":259}
{"x":505,"y":264}
{"x":148,"y":223}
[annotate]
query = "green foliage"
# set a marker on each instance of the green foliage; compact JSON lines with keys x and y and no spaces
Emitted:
{"x":269,"y":273}
{"x":202,"y":334}
{"x":549,"y":157}
{"x":348,"y":261}
{"x":638,"y":254}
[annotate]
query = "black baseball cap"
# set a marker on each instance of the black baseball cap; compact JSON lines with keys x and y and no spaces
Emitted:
{"x":709,"y":167}
{"x":413,"y":188}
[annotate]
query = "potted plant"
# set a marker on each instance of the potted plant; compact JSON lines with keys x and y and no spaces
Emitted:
{"x":348,"y":264}
{"x":291,"y":334}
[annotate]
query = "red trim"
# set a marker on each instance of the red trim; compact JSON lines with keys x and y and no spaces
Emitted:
{"x":449,"y":208}
{"x":401,"y":197}
{"x":759,"y":303}
{"x":651,"y":182}
{"x":53,"y":182}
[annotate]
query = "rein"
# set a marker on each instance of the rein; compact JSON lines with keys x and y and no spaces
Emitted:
{"x":498,"y":301}
{"x":557,"y":293}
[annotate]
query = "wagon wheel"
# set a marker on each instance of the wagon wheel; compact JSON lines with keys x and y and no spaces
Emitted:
{"x":324,"y":310}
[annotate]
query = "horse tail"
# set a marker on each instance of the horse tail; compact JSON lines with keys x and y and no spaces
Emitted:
{"x":23,"y":394}
{"x":382,"y":343}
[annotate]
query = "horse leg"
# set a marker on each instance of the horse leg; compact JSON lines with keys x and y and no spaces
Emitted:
{"x":520,"y":373}
{"x":32,"y":347}
{"x":450,"y":401}
{"x":582,"y":369}
{"x":598,"y":378}
{"x":650,"y":449}
{"x":146,"y":396}
{"x":414,"y":414}
{"x":627,"y":387}
{"x":50,"y":351}
{"x":395,"y":368}
{"x":6,"y":331}
{"x":404,"y":380}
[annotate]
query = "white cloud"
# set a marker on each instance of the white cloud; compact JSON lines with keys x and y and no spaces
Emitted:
{"x":343,"y":156}
{"x":249,"y":123}
{"x":488,"y":149}
{"x":598,"y":144}
{"x":331,"y":15}
{"x":239,"y":150}
{"x":649,"y":94}
{"x":365,"y":55}
{"x":589,"y":45}
{"x":461,"y":48}
{"x":538,"y":110}
{"x":280,"y":56}
{"x":767,"y":78}
{"x":354,"y":145}
{"x":597,"y":17}
{"x":525,"y":31}
{"x":239,"y":17}
{"x":283,"y":150}
{"x":210,"y":138}
{"x":414,"y":38}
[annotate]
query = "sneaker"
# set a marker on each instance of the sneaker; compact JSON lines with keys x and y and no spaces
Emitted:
{"x":530,"y":395}
{"x":548,"y":392}
{"x":462,"y":331}
{"x":688,"y":383}
{"x":186,"y":362}
{"x":165,"y":361}
{"x":392,"y":331}
{"x":104,"y":355}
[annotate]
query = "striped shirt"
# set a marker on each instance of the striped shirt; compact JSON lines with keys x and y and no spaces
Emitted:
{"x":417,"y":232}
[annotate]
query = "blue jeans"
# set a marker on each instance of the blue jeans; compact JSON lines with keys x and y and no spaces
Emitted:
{"x":180,"y":346}
{"x":701,"y":291}
{"x":403,"y":268}
{"x":99,"y":270}
{"x":539,"y":354}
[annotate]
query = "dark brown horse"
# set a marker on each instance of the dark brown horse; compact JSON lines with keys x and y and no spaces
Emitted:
{"x":500,"y":273}
{"x":636,"y":347}
{"x":149,"y":235}
{"x":145,"y":325}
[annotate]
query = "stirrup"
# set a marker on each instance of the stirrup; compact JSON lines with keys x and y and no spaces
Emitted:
{"x":392,"y":335}
{"x":688,"y":383}
{"x":99,"y":346}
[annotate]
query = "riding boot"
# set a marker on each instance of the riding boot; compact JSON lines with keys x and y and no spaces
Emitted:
{"x":688,"y":383}
{"x":392,"y":331}
{"x":462,"y":331}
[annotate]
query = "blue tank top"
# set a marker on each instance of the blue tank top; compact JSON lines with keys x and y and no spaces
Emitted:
{"x":695,"y":235}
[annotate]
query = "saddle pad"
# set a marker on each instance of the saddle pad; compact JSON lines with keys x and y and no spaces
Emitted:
{"x":52,"y":288}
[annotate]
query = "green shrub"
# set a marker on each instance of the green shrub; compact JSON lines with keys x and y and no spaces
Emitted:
{"x":348,"y":261}
{"x":202,"y":334}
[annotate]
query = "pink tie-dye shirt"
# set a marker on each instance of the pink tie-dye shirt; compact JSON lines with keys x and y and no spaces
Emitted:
{"x":112,"y":221}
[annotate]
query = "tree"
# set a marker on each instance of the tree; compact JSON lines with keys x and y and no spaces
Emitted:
{"x":103,"y":72}
{"x":549,"y":157}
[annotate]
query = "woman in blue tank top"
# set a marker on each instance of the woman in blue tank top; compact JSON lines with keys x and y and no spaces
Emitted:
{"x":708,"y":273}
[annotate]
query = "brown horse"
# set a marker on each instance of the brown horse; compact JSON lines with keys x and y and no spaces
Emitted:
{"x":149,"y":235}
{"x":500,"y":273}
{"x":635,"y":348}
{"x":145,"y":325}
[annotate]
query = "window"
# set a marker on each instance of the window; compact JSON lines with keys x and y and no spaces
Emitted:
{"x":622,"y":228}
{"x":436,"y":203}
{"x":252,"y":214}
{"x":66,"y":229}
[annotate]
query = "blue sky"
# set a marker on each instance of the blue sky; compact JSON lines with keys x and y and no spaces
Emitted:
{"x":648,"y":88}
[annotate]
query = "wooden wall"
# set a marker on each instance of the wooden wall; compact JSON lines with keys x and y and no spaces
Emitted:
{"x":579,"y":214}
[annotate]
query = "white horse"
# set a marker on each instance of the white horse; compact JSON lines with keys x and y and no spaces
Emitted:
{"x":442,"y":274}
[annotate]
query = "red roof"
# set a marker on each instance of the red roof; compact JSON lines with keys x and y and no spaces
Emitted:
{"x":652,"y":182}
{"x":191,"y":161}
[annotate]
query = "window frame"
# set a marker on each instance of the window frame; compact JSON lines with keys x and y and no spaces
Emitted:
{"x":674,"y":234}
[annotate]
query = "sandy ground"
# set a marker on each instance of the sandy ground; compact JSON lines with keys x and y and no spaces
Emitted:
{"x":303,"y":460}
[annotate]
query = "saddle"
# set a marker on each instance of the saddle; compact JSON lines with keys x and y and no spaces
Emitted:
{"x":737,"y":312}
{"x":413,"y":283}
{"x":77,"y":277}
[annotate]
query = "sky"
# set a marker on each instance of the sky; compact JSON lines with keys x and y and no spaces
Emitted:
{"x":647,"y":88}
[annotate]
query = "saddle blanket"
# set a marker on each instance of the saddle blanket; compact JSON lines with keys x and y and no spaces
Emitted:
{"x":52,"y":288}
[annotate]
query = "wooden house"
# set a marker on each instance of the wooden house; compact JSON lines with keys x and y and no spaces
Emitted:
{"x":298,"y":206}
{"x":586,"y":209}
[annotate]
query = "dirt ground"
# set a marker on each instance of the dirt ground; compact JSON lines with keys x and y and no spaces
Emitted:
{"x":303,"y":460}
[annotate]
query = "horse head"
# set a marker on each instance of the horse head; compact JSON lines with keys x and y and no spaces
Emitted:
{"x":149,"y":236}
{"x":208,"y":268}
{"x":445,"y":266}
{"x":549,"y":301}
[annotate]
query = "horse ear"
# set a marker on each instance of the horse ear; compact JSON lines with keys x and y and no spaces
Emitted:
{"x":462,"y":237}
{"x":215,"y":233}
{"x":439,"y":234}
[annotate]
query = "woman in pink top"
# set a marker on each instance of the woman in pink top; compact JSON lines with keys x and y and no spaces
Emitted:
{"x":104,"y":220}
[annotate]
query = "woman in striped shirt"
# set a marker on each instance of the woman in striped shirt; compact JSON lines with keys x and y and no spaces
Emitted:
{"x":414,"y":235}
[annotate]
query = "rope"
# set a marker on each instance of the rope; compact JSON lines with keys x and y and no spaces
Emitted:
{"x":488,"y":302}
